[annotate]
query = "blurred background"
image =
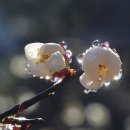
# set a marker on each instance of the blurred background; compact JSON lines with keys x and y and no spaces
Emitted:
{"x":78,"y":22}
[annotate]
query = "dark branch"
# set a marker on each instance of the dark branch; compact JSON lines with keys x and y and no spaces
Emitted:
{"x":43,"y":95}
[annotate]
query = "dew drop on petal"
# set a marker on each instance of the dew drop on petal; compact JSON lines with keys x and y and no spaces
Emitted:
{"x":34,"y":75}
{"x":69,"y":53}
{"x":94,"y":90}
{"x":114,"y":50}
{"x":118,"y":76}
{"x":29,"y":72}
{"x":47,"y":77}
{"x":105,"y":44}
{"x":41,"y":77}
{"x":106,"y":84}
{"x":80,"y":58}
{"x":63,"y":44}
{"x":96,"y":43}
{"x":28,"y":65}
{"x":70,"y":60}
{"x":87,"y":91}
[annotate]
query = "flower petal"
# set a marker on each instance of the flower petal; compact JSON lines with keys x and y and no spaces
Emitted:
{"x":56,"y":62}
{"x":38,"y":69}
{"x":50,"y":48}
{"x":32,"y":51}
{"x":97,"y":56}
{"x":89,"y":84}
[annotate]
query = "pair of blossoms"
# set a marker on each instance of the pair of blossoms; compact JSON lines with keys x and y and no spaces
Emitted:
{"x":100,"y":63}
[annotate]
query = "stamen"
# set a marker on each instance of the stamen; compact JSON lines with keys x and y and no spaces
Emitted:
{"x":102,"y":71}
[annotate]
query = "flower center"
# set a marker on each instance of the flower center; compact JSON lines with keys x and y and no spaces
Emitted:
{"x":41,"y":57}
{"x":102,"y":71}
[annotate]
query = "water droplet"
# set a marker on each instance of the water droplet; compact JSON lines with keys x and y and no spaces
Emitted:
{"x":69,"y":53}
{"x":114,"y":50}
{"x":80,"y":58}
{"x":87,"y":91}
{"x":55,"y":79}
{"x":34,"y":75}
{"x":70,"y":60}
{"x":96,"y":43}
{"x":53,"y":93}
{"x":29,"y":72}
{"x":106,"y":84}
{"x":94,"y":90}
{"x":118,"y":76}
{"x":105,"y":44}
{"x":28,"y":65}
{"x":63,"y":44}
{"x":41,"y":77}
{"x":47,"y":77}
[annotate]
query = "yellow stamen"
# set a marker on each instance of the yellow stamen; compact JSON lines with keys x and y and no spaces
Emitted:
{"x":102,"y":71}
{"x":41,"y":57}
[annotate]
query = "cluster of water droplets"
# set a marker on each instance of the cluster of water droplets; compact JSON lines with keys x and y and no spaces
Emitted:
{"x":80,"y":56}
{"x":87,"y":91}
{"x":68,"y":52}
{"x":26,"y":67}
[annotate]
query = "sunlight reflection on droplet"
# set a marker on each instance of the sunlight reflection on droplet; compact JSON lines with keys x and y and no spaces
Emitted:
{"x":47,"y":77}
{"x":97,"y":115}
{"x":73,"y":115}
{"x":87,"y":91}
{"x":55,"y":79}
{"x":96,"y":43}
{"x":41,"y":77}
{"x":69,"y":53}
{"x":79,"y":58}
{"x":17,"y":66}
{"x":117,"y":77}
{"x":106,"y":84}
{"x":63,"y":44}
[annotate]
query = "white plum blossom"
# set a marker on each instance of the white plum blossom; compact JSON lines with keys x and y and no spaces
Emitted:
{"x":9,"y":127}
{"x":44,"y":60}
{"x":101,"y":65}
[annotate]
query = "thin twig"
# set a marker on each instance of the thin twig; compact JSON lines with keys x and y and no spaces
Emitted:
{"x":43,"y":95}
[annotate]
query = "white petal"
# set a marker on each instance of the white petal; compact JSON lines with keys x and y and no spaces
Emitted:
{"x":89,"y":84}
{"x":50,"y":48}
{"x":100,"y":56}
{"x":38,"y":69}
{"x":56,"y":62}
{"x":31,"y":51}
{"x":114,"y":65}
